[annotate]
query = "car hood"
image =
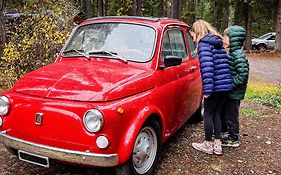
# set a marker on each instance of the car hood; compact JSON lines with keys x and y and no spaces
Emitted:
{"x":85,"y":81}
{"x":257,"y":40}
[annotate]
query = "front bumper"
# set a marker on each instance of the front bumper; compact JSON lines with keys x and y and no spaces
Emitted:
{"x":76,"y":157}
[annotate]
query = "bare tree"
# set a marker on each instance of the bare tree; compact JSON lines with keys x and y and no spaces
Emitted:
{"x":278,"y":29}
{"x":2,"y":27}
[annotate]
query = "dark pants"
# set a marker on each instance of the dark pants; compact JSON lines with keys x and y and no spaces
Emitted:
{"x":230,"y":118}
{"x":212,"y":110}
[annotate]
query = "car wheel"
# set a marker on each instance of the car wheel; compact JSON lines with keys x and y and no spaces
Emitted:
{"x":262,"y":47}
{"x":145,"y":152}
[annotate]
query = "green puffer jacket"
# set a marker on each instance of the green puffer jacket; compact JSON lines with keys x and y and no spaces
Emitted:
{"x":239,"y":65}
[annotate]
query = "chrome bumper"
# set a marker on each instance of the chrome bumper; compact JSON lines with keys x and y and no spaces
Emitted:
{"x":77,"y":157}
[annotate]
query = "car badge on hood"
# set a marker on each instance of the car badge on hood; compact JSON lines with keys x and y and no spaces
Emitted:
{"x":39,"y":119}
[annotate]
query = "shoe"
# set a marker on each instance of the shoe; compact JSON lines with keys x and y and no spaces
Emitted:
{"x":217,"y":148}
{"x":230,"y":143}
{"x":224,"y":135}
{"x":206,"y":147}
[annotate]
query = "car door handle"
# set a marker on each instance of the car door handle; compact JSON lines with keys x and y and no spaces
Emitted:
{"x":192,"y":68}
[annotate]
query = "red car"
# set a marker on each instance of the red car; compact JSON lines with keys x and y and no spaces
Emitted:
{"x":120,"y":87}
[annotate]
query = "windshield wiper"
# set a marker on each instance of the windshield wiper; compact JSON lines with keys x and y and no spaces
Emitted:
{"x":115,"y":55}
{"x":81,"y":52}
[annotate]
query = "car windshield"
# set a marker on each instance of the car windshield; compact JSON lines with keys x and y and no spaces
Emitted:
{"x":265,"y":36}
{"x":127,"y":41}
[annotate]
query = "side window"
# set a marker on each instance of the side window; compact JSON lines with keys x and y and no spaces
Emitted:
{"x":271,"y":38}
{"x":191,"y":45}
{"x":173,"y":44}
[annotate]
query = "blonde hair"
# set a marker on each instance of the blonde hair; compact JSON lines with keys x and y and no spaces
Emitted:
{"x":202,"y":28}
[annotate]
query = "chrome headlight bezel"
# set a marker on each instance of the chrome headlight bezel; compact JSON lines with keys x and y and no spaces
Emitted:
{"x":93,"y":120}
{"x":5,"y":109}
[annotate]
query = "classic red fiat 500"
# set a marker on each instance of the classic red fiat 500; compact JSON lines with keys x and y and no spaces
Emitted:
{"x":120,"y":87}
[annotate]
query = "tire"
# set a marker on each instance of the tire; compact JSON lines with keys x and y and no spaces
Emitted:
{"x":262,"y":47}
{"x":197,"y":117}
{"x":145,"y":152}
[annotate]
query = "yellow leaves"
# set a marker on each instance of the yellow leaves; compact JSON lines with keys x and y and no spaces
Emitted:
{"x":262,"y":88}
{"x":10,"y":52}
{"x":44,"y":27}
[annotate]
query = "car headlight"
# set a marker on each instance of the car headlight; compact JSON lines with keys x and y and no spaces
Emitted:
{"x":4,"y":105}
{"x":93,"y":120}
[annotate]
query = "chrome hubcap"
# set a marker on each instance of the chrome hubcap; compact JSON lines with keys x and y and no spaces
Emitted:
{"x":145,"y":149}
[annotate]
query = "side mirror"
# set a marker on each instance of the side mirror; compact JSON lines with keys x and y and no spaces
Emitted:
{"x":171,"y":60}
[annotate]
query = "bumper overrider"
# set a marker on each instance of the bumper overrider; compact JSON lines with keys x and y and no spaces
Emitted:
{"x":76,"y":157}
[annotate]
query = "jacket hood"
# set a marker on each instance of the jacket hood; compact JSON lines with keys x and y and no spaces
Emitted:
{"x":236,"y":36}
{"x":84,"y":80}
{"x":212,"y":39}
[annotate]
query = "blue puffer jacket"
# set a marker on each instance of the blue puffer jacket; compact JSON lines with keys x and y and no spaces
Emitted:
{"x":215,"y":70}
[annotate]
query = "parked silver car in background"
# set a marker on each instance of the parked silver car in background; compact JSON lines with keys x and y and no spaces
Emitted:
{"x":264,"y":42}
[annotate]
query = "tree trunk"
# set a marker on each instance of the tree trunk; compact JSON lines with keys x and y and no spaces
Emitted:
{"x":105,"y":7}
{"x":116,"y":2}
{"x":176,"y":9}
{"x":2,"y":27}
{"x":139,"y":2}
{"x":88,"y":8}
{"x":161,"y":4}
{"x":237,"y":12}
{"x":248,"y":24}
{"x":225,"y":15}
{"x":100,"y":7}
{"x":278,"y":30}
{"x":134,"y":6}
{"x":193,"y":9}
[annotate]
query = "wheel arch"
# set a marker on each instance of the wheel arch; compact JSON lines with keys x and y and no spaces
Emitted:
{"x":146,"y":115}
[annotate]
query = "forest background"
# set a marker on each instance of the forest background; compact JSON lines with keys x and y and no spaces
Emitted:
{"x":31,"y":31}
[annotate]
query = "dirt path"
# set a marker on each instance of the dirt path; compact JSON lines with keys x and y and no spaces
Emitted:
{"x":259,"y":153}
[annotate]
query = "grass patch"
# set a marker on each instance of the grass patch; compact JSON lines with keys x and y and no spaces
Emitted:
{"x":249,"y":112}
{"x":264,"y":94}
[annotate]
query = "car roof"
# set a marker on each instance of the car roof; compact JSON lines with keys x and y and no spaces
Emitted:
{"x":154,"y":21}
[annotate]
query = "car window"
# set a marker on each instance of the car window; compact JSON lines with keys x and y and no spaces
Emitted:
{"x":173,"y":44}
{"x":271,"y":38}
{"x":191,"y":45}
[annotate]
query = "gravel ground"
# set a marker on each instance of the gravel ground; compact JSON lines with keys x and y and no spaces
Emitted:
{"x":266,"y":68}
{"x":259,"y":153}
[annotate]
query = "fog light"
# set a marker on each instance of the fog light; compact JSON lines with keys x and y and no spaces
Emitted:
{"x":102,"y":142}
{"x":1,"y":121}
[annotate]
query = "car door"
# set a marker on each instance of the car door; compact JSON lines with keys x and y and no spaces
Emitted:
{"x":271,"y":41}
{"x":173,"y":82}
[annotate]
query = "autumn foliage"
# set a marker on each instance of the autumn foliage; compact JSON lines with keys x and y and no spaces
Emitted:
{"x":34,"y":37}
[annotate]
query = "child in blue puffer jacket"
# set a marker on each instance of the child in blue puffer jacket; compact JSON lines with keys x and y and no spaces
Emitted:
{"x":216,"y":79}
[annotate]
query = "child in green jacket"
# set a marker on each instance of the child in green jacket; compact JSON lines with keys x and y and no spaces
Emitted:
{"x":234,"y":37}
